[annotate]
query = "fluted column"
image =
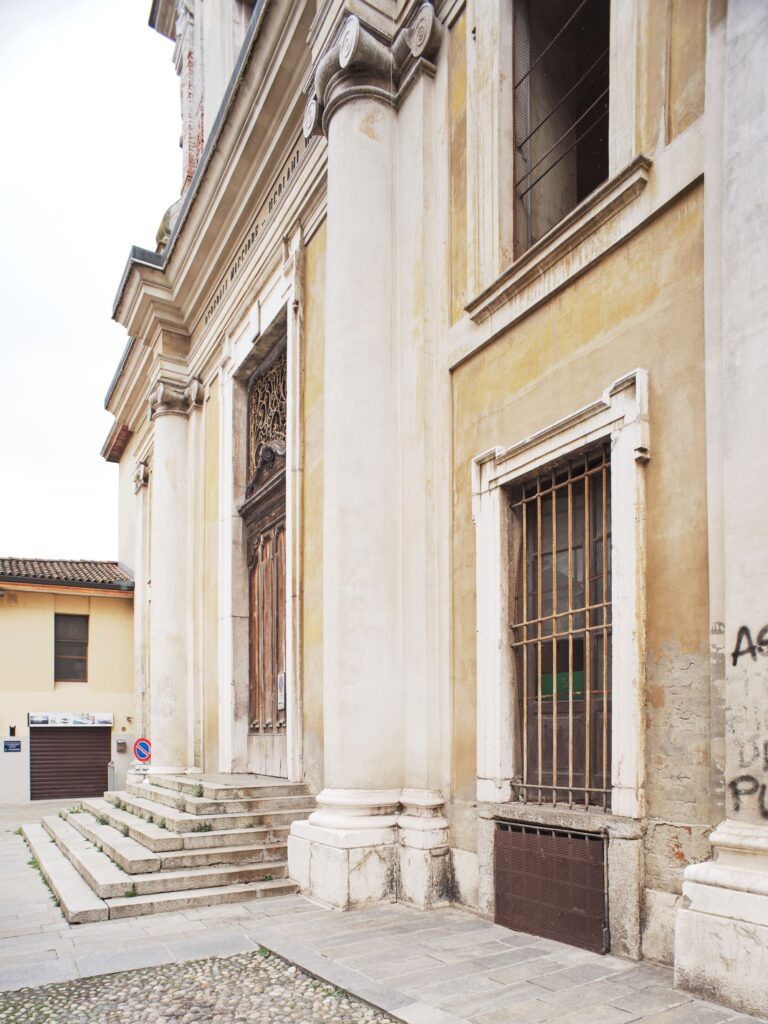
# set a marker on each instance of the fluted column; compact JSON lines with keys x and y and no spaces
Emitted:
{"x":347,"y":852}
{"x":169,"y":405}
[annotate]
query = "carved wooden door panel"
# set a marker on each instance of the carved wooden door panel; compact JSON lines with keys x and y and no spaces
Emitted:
{"x":264,"y":515}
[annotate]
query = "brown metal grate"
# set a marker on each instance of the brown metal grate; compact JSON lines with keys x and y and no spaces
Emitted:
{"x":561,"y":633}
{"x":551,"y":882}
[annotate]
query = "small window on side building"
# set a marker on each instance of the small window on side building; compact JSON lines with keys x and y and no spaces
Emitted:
{"x":71,"y":648}
{"x":561,"y":93}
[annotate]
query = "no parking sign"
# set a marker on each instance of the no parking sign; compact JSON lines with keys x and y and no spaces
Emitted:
{"x":142,"y":749}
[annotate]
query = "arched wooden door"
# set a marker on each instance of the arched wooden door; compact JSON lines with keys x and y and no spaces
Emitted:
{"x":264,"y":515}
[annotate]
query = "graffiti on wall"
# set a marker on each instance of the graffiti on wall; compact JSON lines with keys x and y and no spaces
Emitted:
{"x":753,"y":752}
{"x":744,"y":644}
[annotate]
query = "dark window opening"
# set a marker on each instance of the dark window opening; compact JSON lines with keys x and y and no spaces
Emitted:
{"x":561,"y":94}
{"x":71,"y":648}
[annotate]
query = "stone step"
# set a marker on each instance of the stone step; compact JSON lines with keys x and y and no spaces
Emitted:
{"x":203,"y":805}
{"x":154,"y":838}
{"x":181,"y":821}
{"x":167,"y":901}
{"x":109,"y":881}
{"x":225,"y":791}
{"x":161,"y":840}
{"x":256,"y":853}
{"x":78,"y":902}
{"x":133,"y":857}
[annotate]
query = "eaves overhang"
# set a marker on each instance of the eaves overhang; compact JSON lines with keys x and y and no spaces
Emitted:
{"x":139,"y":257}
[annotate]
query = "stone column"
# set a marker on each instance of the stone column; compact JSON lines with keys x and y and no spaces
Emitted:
{"x":347,"y":853}
{"x":169,"y":405}
{"x":721,"y":933}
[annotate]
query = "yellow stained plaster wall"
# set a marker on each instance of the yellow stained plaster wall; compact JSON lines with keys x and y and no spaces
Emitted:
{"x":640,"y":306}
{"x":672,"y":43}
{"x":210,"y":583}
{"x":27,"y":657}
{"x":312,"y":508}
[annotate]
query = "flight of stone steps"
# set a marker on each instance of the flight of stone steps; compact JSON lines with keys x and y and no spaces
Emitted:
{"x":169,"y":843}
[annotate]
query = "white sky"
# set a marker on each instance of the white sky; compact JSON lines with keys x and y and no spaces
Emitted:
{"x":89,"y":162}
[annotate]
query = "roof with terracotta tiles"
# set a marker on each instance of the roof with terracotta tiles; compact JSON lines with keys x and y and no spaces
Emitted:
{"x":108,"y":575}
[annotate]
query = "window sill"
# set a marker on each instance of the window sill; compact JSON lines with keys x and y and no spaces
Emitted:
{"x":570,"y":233}
{"x":585,"y":819}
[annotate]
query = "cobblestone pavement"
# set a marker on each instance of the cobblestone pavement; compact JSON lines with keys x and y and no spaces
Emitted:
{"x":256,"y":988}
{"x":440,"y":967}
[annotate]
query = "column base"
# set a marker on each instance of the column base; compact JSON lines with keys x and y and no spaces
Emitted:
{"x":357,"y":850}
{"x":721,"y":932}
{"x":425,"y":877}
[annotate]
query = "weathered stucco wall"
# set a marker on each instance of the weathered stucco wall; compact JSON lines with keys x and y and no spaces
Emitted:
{"x":211,"y":582}
{"x":457,"y":89}
{"x":27,"y":645}
{"x":640,"y":306}
{"x":670,"y":71}
{"x":312,"y":510}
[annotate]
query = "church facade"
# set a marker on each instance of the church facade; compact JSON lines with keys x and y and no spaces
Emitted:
{"x":438,"y":431}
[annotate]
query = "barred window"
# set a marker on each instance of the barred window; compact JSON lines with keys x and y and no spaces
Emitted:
{"x":561,"y":633}
{"x":561,"y":93}
{"x":71,"y":648}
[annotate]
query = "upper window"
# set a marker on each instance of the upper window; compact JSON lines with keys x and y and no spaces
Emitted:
{"x":71,"y":648}
{"x":561,"y":93}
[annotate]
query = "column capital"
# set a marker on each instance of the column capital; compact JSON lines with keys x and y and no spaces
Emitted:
{"x":361,"y":63}
{"x":174,"y":398}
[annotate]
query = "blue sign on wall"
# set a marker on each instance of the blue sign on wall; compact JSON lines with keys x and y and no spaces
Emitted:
{"x":11,"y":746}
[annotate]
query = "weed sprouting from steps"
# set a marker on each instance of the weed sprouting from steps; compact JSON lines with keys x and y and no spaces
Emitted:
{"x":76,"y":809}
{"x":179,"y":804}
{"x":150,"y":819}
{"x":203,"y":828}
{"x":124,"y":830}
{"x":161,"y":822}
{"x":267,"y":878}
{"x":131,"y":892}
{"x":263,"y":952}
{"x":35,"y":863}
{"x":198,"y":790}
{"x":102,"y":819}
{"x":18,"y":831}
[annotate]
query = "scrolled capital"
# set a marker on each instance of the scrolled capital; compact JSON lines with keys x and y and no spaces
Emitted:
{"x":361,"y":64}
{"x":173,"y":398}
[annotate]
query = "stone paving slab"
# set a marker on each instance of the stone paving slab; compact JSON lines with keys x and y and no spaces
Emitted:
{"x":442,"y":967}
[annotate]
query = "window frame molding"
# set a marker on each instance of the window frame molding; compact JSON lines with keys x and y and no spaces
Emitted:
{"x":620,"y":415}
{"x":71,"y":657}
{"x":493,"y":274}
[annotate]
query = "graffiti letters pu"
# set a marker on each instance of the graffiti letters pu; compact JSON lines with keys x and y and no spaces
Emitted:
{"x":744,"y":644}
{"x":748,"y":785}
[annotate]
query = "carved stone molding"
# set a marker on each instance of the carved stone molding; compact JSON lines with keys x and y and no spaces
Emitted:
{"x":361,"y":64}
{"x":140,"y":477}
{"x":170,"y":398}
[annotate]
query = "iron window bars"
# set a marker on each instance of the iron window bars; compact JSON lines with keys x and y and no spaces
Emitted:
{"x":561,"y":633}
{"x":561,"y":99}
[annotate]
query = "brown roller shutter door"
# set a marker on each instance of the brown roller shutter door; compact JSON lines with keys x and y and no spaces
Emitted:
{"x":68,"y":761}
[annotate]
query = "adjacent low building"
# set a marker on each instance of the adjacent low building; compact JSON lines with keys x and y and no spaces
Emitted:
{"x":66,"y":677}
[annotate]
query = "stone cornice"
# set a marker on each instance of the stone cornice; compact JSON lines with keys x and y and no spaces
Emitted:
{"x":171,"y":398}
{"x":360,"y":63}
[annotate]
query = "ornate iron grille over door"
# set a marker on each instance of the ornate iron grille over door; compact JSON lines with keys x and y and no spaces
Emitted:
{"x":264,"y":515}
